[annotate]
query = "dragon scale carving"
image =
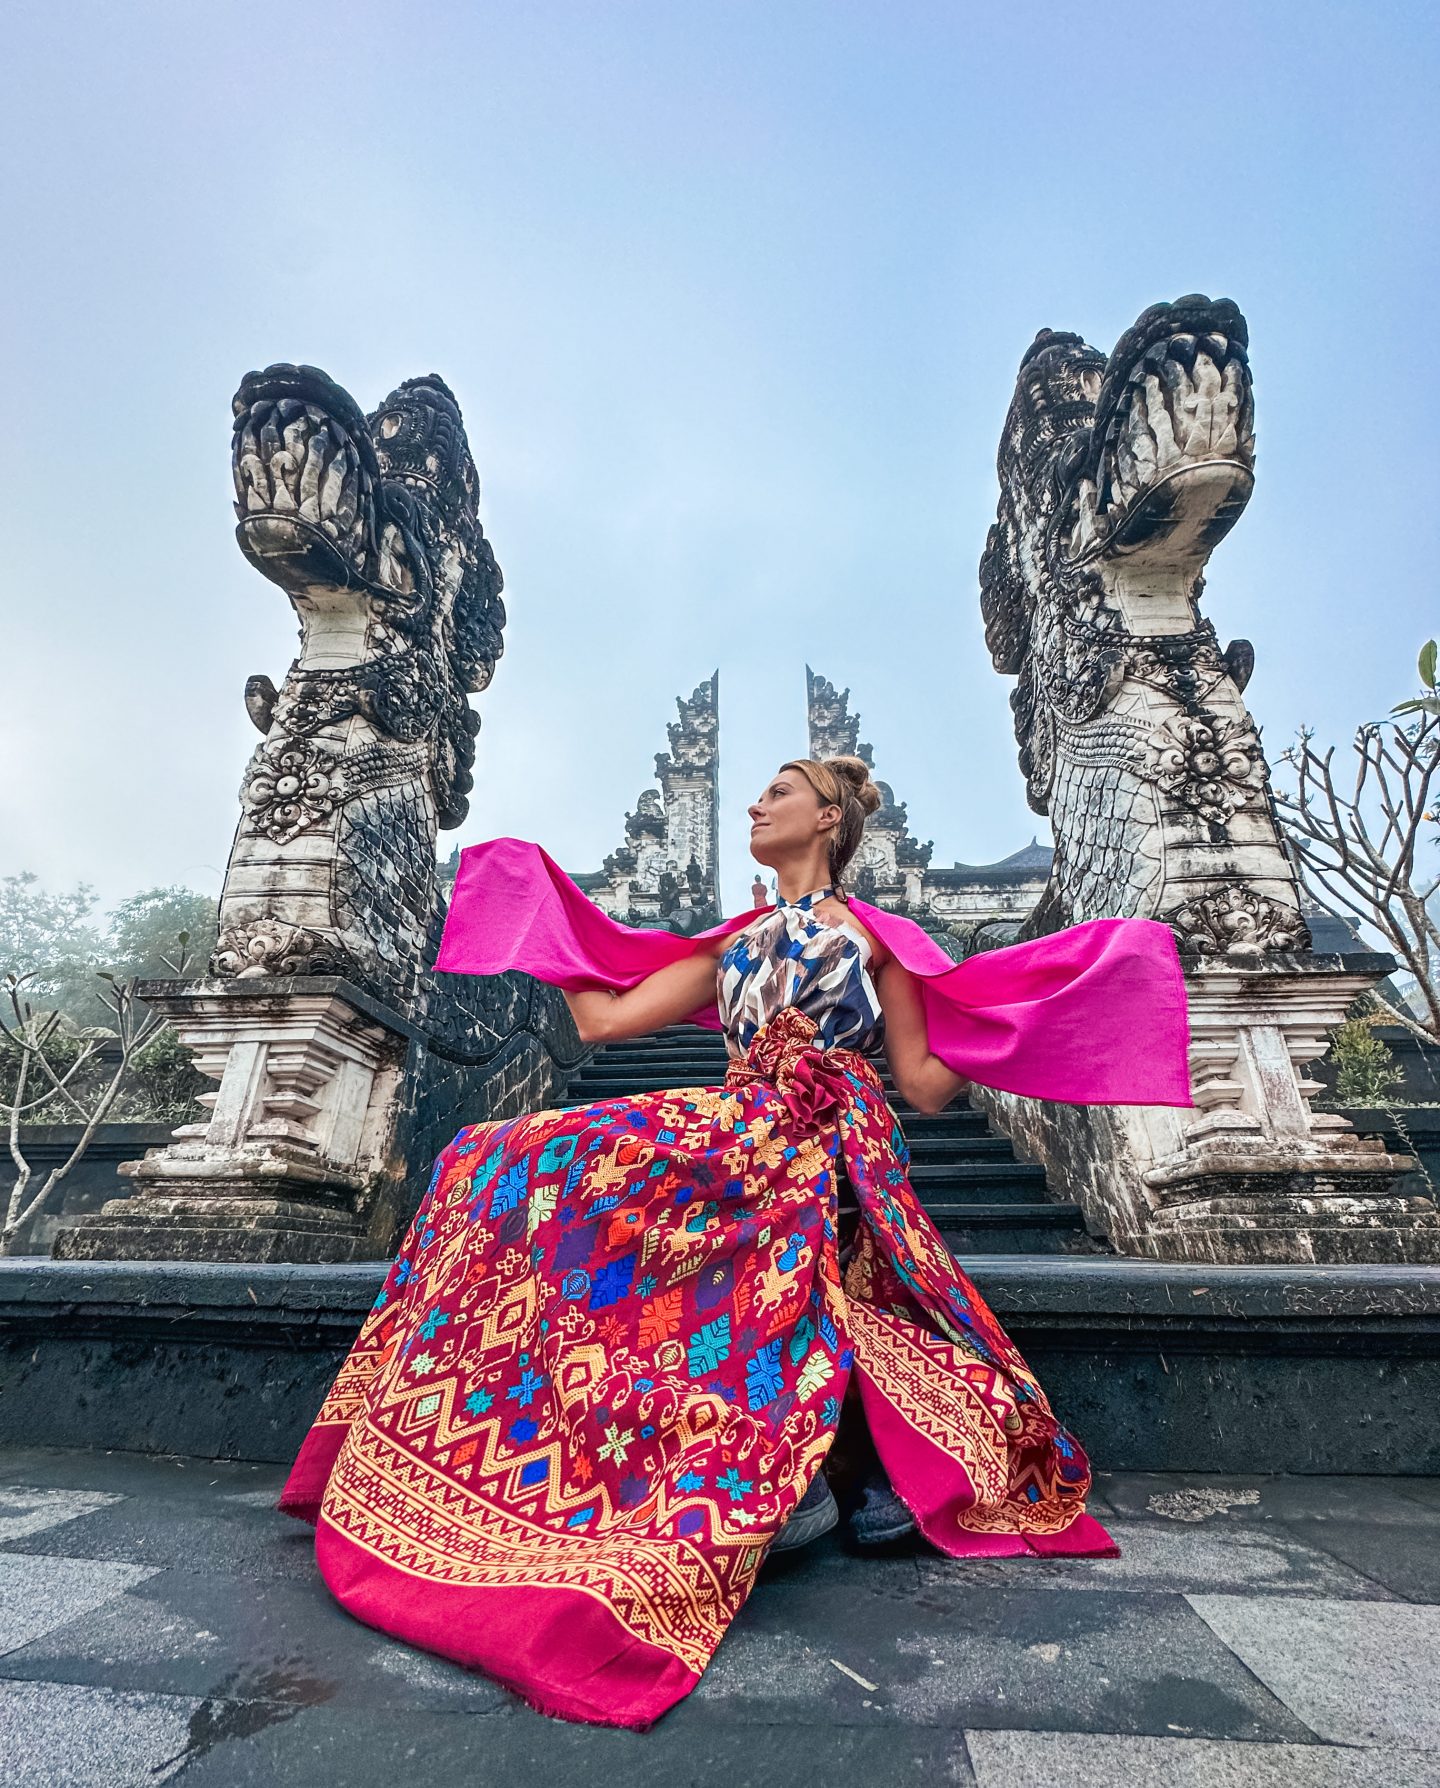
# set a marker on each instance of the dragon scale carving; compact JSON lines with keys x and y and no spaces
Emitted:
{"x":1118,"y":477}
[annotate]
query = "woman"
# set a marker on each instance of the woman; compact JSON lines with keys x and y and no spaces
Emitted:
{"x":606,"y":1369}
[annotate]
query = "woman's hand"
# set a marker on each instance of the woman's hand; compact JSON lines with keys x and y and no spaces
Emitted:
{"x":923,"y":1079}
{"x":666,"y":997}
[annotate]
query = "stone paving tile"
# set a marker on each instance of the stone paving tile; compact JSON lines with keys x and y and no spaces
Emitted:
{"x":1189,"y":1498}
{"x":37,"y":1594}
{"x":1166,"y":1556}
{"x":166,"y":1598}
{"x":1425,"y":1491}
{"x":182,"y":1633}
{"x":1358,"y":1673}
{"x":353,"y":1749}
{"x":229,"y":1531}
{"x":1086,"y":1760}
{"x":25,"y":1510}
{"x":1084,"y":1661}
{"x":134,"y":1474}
{"x":1404,"y":1560}
{"x":53,"y":1735}
{"x":827,"y":1560}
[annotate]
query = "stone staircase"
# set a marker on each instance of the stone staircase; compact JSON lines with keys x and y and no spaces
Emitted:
{"x":981,"y":1198}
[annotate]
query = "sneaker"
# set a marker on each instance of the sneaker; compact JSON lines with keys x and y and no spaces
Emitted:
{"x":880,"y":1518}
{"x":815,"y":1513}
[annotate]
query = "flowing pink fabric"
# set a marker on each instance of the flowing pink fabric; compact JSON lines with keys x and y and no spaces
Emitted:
{"x":1092,"y":1015}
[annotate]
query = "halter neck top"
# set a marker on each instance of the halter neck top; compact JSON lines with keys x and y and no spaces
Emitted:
{"x":788,"y":957}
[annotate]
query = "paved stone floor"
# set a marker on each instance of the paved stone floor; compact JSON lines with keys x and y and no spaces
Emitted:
{"x":160,"y":1623}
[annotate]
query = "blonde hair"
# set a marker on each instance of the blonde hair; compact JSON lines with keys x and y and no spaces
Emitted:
{"x":843,"y":782}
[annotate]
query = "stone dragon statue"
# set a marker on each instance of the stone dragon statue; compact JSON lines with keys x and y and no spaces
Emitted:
{"x":344,"y":1061}
{"x":1118,"y":477}
{"x":370,"y":525}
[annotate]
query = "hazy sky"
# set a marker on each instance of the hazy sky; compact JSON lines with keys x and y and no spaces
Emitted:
{"x":733,"y":296}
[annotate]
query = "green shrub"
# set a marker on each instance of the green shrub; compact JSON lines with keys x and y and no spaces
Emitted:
{"x":1366,"y":1071}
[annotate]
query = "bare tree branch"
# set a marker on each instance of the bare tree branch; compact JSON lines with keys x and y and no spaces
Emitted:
{"x":1357,"y":849}
{"x":31,"y":1034}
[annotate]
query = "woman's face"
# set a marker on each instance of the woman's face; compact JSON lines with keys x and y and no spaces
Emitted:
{"x":788,"y":819}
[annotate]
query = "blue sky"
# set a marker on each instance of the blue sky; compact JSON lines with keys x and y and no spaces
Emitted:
{"x":733,"y":298}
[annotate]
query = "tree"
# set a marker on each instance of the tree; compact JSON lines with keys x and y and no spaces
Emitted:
{"x":47,"y":1073}
{"x":1359,"y":835}
{"x":140,"y":937}
{"x":51,"y":938}
{"x":60,"y":971}
{"x":1429,"y":703}
{"x":59,"y":943}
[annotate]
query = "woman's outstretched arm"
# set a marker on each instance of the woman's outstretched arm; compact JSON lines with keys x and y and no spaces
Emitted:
{"x":922,"y":1078}
{"x":667,"y":996}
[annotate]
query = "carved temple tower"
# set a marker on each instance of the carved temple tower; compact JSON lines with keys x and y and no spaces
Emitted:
{"x":667,"y":872}
{"x":964,"y":905}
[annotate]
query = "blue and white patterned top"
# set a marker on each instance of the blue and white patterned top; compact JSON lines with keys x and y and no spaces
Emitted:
{"x":787,"y":957}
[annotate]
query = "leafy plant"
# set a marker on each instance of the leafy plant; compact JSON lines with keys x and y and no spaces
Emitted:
{"x":1429,"y":703}
{"x":1366,"y":1069}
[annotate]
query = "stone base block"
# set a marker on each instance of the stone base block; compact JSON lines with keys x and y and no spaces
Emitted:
{"x":201,"y":1229}
{"x":301,"y":1137}
{"x":1252,"y":1232}
{"x":1155,"y":1368}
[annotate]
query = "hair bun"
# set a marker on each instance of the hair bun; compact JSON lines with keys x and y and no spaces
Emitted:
{"x":856,"y":772}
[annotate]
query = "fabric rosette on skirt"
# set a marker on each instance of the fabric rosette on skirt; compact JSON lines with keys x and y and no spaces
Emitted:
{"x":814,"y":1084}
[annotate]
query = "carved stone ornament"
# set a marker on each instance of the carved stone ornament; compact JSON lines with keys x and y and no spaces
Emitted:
{"x":1238,"y":921}
{"x":292,"y":785}
{"x":270,"y":947}
{"x":1209,"y":764}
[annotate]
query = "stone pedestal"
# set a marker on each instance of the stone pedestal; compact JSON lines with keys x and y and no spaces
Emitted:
{"x":1253,"y":1173}
{"x":301,"y":1143}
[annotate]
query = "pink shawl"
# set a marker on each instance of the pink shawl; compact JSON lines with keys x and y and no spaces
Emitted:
{"x":1093,"y":1015}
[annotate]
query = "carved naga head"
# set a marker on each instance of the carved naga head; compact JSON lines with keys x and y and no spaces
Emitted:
{"x":1146,"y":457}
{"x":371,"y":525}
{"x":1118,"y":477}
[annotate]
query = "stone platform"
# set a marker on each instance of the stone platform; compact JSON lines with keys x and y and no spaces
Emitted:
{"x":1156,"y":1367}
{"x":159,"y":1623}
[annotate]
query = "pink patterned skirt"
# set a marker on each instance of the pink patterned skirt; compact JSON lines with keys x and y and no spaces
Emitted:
{"x":611,"y":1356}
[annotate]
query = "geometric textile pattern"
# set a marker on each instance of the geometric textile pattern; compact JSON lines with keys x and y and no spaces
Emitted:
{"x":611,"y":1356}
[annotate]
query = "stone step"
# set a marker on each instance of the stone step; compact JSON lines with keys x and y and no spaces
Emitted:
{"x":1206,"y":1353}
{"x":967,"y":1146}
{"x":702,"y":1071}
{"x":959,"y":1172}
{"x":1006,"y":1232}
{"x":988,"y":1188}
{"x":937,"y":1123}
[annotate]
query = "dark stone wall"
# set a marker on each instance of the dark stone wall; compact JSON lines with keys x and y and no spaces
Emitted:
{"x":1405,"y":1130}
{"x":1155,"y":1368}
{"x":91,"y":1181}
{"x":492,"y":1046}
